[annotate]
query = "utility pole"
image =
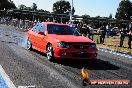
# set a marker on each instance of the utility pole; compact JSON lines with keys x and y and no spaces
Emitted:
{"x":71,"y":13}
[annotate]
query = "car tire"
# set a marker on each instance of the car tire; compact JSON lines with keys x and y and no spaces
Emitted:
{"x":49,"y":53}
{"x":29,"y":45}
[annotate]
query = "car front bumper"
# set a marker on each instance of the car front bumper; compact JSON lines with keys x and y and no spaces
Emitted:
{"x":75,"y":53}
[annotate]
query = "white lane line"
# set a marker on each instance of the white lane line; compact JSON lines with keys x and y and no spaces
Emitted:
{"x":115,"y":53}
{"x":26,"y":87}
{"x":6,"y":78}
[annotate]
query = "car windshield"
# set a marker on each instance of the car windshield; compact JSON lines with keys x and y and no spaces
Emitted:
{"x":62,"y":30}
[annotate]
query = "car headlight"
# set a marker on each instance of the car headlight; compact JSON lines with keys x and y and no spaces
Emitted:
{"x":94,"y":46}
{"x":63,"y":45}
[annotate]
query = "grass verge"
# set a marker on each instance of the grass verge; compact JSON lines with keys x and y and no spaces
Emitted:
{"x":112,"y":43}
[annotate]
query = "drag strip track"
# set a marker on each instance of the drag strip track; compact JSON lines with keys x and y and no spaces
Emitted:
{"x":31,"y":68}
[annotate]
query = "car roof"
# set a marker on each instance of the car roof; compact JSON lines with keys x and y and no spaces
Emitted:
{"x":46,"y":23}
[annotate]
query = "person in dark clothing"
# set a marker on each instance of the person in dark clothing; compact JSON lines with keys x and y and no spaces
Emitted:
{"x":84,"y":31}
{"x":80,"y":27}
{"x":129,"y":38}
{"x":123,"y":34}
{"x":103,"y":33}
{"x":88,"y":31}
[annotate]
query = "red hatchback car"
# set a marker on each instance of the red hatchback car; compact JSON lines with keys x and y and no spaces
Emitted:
{"x":60,"y":41}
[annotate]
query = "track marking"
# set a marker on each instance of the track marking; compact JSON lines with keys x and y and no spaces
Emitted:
{"x":2,"y":83}
{"x":116,"y":53}
{"x":26,"y":87}
{"x":6,"y":78}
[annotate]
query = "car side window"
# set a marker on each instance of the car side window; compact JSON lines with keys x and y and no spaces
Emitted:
{"x":42,"y":28}
{"x":35,"y":28}
{"x":39,"y":29}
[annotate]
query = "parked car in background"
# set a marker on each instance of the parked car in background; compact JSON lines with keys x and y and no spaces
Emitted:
{"x":60,"y":41}
{"x":114,"y":31}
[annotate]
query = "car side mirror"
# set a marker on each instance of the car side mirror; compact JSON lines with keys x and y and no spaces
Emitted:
{"x":42,"y":33}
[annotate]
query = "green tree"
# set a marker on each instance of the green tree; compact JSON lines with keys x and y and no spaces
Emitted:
{"x":34,"y":6}
{"x":98,"y":17}
{"x":41,"y":10}
{"x":7,"y":4}
{"x":110,"y":16}
{"x":86,"y":18}
{"x":62,"y":7}
{"x":124,"y":11}
{"x":28,"y":8}
{"x":22,"y":7}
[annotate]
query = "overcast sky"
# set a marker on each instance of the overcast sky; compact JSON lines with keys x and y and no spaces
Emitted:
{"x":90,"y":7}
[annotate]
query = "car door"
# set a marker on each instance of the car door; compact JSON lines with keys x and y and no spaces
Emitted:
{"x":41,"y":38}
{"x":33,"y":34}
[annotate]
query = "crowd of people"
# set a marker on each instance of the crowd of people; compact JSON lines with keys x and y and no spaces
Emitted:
{"x":85,"y":29}
{"x":19,"y":23}
{"x":126,"y":32}
{"x":105,"y":30}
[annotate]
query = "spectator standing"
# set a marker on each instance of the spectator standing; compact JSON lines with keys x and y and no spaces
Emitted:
{"x":20,"y":23}
{"x":129,"y":38}
{"x":122,"y":36}
{"x":79,"y":27}
{"x":15,"y":22}
{"x":108,"y":29}
{"x":103,"y":33}
{"x":88,"y":31}
{"x":92,"y":32}
{"x":35,"y":22}
{"x":26,"y":23}
{"x":84,"y":30}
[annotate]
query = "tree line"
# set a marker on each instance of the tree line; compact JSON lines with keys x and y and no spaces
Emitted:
{"x":7,"y":4}
{"x":124,"y":10}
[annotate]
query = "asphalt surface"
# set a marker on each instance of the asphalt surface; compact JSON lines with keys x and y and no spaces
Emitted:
{"x":31,"y":68}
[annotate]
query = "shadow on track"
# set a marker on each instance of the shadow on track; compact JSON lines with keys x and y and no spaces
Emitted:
{"x":89,"y":64}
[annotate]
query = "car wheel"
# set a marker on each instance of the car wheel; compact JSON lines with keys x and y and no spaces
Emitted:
{"x":49,"y":52}
{"x":29,"y":45}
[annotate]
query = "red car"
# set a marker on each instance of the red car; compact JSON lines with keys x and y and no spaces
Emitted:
{"x":60,"y":41}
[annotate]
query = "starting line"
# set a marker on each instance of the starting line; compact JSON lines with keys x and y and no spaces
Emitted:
{"x":115,"y":53}
{"x":5,"y":81}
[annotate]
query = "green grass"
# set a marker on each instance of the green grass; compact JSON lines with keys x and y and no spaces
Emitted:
{"x":112,"y":43}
